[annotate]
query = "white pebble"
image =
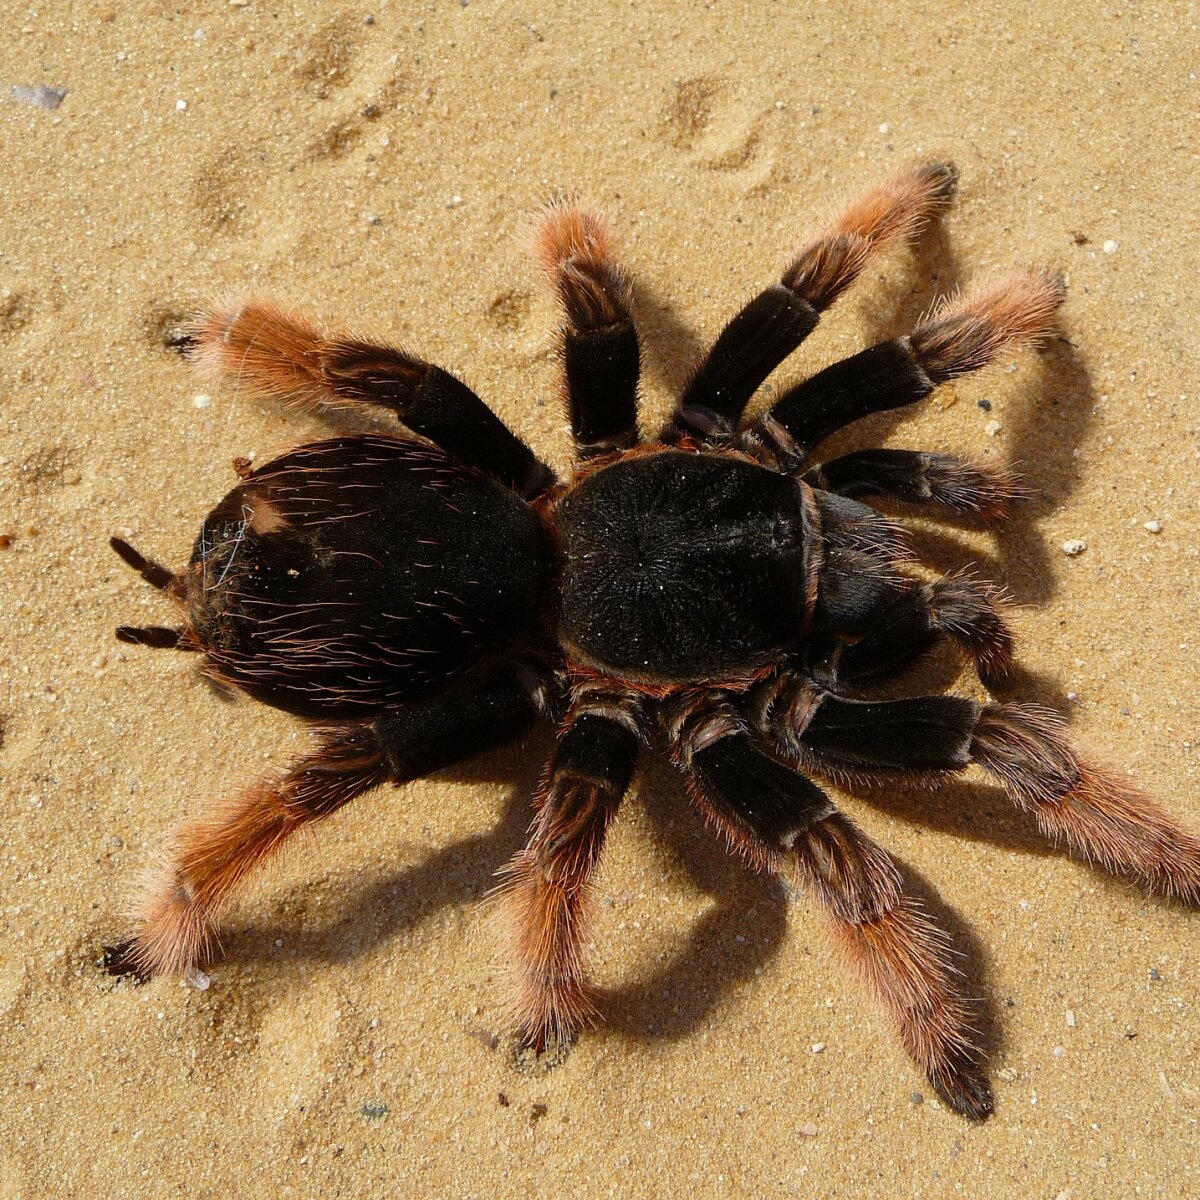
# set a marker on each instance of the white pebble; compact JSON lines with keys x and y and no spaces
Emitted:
{"x":198,"y":979}
{"x":1070,"y":1018}
{"x":808,"y":1129}
{"x":818,"y":1047}
{"x":1153,"y":526}
{"x":883,"y":129}
{"x":1059,"y":1051}
{"x":181,"y":106}
{"x":202,"y":401}
{"x":1074,"y":546}
{"x":1109,"y":247}
{"x":992,"y":428}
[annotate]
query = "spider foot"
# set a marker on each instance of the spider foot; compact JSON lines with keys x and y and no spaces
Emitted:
{"x":965,"y":1088}
{"x":543,"y":1051}
{"x":121,"y":961}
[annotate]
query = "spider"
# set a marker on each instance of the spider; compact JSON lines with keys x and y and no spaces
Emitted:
{"x":719,"y":591}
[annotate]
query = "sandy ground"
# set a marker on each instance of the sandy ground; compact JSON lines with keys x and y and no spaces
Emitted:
{"x":372,"y":163}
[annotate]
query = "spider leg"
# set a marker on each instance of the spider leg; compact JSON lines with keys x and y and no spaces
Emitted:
{"x":1023,"y":747}
{"x":160,"y":637}
{"x":548,"y":882}
{"x":909,"y":623}
{"x":777,"y":818}
{"x":273,"y":353}
{"x":177,"y":917}
{"x":964,"y":333}
{"x":599,"y":341}
{"x":778,"y":319}
{"x":154,"y":573}
{"x":178,"y":913}
{"x":918,"y":477}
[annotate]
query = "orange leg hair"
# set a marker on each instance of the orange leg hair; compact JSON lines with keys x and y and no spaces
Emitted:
{"x":549,"y":880}
{"x":1099,"y":816}
{"x":895,"y":210}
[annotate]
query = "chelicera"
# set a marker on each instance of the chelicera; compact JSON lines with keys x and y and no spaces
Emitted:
{"x":720,"y":592}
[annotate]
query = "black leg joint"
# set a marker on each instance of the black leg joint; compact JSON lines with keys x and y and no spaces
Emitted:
{"x":447,"y":412}
{"x":931,"y":733}
{"x":602,"y":368}
{"x":896,"y":473}
{"x":757,"y":791}
{"x":880,"y":378}
{"x":599,"y":750}
{"x":749,"y":348}
{"x":420,"y":738}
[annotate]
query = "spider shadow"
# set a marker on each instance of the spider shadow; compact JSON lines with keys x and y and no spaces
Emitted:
{"x":374,"y":907}
{"x":723,"y":949}
{"x":671,"y":347}
{"x":741,"y":933}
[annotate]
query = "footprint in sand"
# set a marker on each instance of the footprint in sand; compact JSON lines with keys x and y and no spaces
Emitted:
{"x":703,"y":121}
{"x":16,"y":311}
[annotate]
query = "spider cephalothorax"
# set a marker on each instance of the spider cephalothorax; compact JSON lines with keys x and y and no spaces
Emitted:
{"x":719,"y":591}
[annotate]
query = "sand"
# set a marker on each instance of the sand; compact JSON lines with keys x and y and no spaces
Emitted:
{"x":373,"y":164}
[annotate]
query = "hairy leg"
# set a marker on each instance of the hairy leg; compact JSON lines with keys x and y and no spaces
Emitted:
{"x":177,"y":915}
{"x":778,"y":819}
{"x":959,"y":606}
{"x":548,"y":882}
{"x":270,"y":352}
{"x":1101,"y":817}
{"x":965,"y":332}
{"x":209,"y":857}
{"x":917,"y":477}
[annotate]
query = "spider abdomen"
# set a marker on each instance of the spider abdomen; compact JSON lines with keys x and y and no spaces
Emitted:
{"x":361,"y":572}
{"x":680,"y":566}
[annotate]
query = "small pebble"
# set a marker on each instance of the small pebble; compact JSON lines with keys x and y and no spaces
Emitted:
{"x":181,"y":106}
{"x":1153,"y":526}
{"x":1109,"y":247}
{"x":373,"y":219}
{"x":1059,"y":1051}
{"x":818,"y":1047}
{"x":883,"y":128}
{"x":1070,"y":1018}
{"x":992,"y":428}
{"x":1008,"y":1074}
{"x":40,"y":97}
{"x":1155,"y":974}
{"x":917,"y":1098}
{"x":985,"y":404}
{"x":808,"y":1129}
{"x":198,"y":979}
{"x":1074,"y":546}
{"x":202,"y":401}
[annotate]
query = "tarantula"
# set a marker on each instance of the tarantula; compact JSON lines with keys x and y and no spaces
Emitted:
{"x":719,"y":589}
